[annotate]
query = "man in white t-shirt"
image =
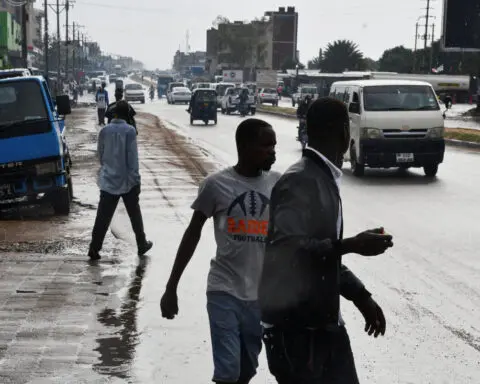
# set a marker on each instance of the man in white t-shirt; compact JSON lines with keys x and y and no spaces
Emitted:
{"x":238,"y":199}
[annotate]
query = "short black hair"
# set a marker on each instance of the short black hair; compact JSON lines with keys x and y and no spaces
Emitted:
{"x":121,"y":109}
{"x":248,"y":132}
{"x":325,"y":115}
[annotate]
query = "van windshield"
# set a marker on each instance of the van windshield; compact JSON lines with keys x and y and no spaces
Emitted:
{"x":21,"y":102}
{"x":400,"y":98}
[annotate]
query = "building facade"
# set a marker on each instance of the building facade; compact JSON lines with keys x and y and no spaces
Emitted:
{"x":10,"y":41}
{"x":285,"y":35}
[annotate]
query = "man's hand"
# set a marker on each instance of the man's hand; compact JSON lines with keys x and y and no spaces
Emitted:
{"x":371,"y":243}
{"x":375,"y":322}
{"x":169,"y":304}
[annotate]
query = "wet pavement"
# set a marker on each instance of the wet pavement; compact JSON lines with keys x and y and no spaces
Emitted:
{"x":67,"y":321}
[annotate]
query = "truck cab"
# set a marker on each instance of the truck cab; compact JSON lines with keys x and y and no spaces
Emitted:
{"x":35,"y":162}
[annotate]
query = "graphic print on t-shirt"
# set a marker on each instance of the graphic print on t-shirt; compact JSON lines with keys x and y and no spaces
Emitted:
{"x":246,"y":217}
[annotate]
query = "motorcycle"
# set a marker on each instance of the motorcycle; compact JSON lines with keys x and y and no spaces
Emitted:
{"x":302,"y":133}
{"x":152,"y":95}
{"x":243,"y":109}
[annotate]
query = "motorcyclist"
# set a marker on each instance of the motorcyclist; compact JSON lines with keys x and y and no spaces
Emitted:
{"x":302,"y":113}
{"x":152,"y":92}
{"x":111,"y":110}
{"x":243,"y":98}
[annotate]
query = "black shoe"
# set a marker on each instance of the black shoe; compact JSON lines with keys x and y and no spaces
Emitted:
{"x":145,"y":248}
{"x":94,"y":255}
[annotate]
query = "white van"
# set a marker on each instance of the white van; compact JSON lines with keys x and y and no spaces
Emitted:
{"x":393,"y":123}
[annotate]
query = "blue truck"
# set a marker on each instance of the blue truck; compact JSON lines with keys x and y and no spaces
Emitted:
{"x":162,"y":84}
{"x":35,"y":163}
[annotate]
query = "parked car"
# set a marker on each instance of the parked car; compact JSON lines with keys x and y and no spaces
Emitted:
{"x":112,"y":78}
{"x":134,"y":92}
{"x":268,"y":95}
{"x":180,"y":95}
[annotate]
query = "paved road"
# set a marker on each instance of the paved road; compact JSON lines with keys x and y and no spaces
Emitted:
{"x":81,"y":323}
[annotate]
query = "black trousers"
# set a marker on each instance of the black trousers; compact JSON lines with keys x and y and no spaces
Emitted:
{"x":101,"y":116}
{"x":106,"y":208}
{"x":303,"y":356}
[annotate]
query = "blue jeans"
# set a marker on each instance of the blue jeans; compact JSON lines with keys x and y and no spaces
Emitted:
{"x":236,"y":335}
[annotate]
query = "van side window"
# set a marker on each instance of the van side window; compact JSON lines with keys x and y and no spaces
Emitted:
{"x":355,"y":98}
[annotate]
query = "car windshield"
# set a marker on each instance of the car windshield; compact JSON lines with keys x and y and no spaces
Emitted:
{"x":181,"y":89}
{"x":221,"y":88}
{"x":400,"y":98}
{"x":133,"y":87}
{"x":21,"y":101}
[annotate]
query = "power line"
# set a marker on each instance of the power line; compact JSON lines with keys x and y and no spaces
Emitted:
{"x":114,"y":6}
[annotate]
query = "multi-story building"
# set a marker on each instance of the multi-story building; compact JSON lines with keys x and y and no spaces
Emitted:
{"x":267,"y":43}
{"x":285,"y":34}
{"x":186,"y":62}
{"x":10,"y":41}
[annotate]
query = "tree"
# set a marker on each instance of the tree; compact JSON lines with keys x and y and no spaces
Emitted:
{"x":291,"y":63}
{"x":342,"y":55}
{"x":398,"y":59}
{"x":371,"y":65}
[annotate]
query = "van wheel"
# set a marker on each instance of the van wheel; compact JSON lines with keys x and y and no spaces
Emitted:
{"x":358,"y":170}
{"x":62,"y":199}
{"x":431,"y":170}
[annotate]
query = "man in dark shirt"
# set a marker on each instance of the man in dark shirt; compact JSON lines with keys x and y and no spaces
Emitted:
{"x":303,"y":274}
{"x":111,"y":110}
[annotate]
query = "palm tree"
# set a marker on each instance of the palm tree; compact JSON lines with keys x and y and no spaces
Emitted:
{"x":342,"y":55}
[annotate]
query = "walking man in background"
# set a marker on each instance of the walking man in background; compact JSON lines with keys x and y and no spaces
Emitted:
{"x":119,"y":178}
{"x":303,"y":275}
{"x":238,"y":200}
{"x":101,"y":99}
{"x":110,"y":113}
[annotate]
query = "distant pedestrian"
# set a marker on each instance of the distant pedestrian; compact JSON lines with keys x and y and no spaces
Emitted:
{"x":119,"y":178}
{"x":110,"y":113}
{"x":238,"y":199}
{"x":101,"y":99}
{"x":303,"y":274}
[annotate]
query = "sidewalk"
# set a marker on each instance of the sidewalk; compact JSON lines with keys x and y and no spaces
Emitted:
{"x":65,"y":321}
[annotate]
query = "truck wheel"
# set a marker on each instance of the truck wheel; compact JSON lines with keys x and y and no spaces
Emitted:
{"x":293,"y":103}
{"x":191,"y":120}
{"x":358,"y":170}
{"x":431,"y":170}
{"x":62,"y":199}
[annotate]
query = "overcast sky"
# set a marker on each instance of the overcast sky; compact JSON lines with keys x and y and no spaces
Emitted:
{"x":152,"y":30}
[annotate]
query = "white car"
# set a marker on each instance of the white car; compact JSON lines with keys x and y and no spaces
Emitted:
{"x":134,"y":92}
{"x":268,"y":95}
{"x":180,"y":95}
{"x":231,"y":101}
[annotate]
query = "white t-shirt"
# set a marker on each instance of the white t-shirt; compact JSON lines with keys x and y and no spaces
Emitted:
{"x":240,"y":207}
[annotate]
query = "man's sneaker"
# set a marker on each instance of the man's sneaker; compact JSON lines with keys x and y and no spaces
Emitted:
{"x":94,"y":255}
{"x":142,"y":250}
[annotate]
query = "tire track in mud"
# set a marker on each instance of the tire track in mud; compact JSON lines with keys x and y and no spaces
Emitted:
{"x":181,"y":162}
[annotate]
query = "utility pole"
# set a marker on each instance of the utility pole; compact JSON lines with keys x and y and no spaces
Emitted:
{"x":431,"y":48}
{"x":73,"y":51}
{"x":425,"y":37}
{"x":59,"y":46}
{"x":415,"y":49}
{"x":67,"y":8}
{"x":45,"y":42}
{"x":24,"y":35}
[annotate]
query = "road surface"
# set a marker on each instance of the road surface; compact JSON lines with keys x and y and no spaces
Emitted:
{"x":64,"y":320}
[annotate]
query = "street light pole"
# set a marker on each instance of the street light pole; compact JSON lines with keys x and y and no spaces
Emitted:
{"x":45,"y":42}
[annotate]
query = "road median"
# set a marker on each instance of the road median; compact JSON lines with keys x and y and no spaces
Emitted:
{"x":460,"y":137}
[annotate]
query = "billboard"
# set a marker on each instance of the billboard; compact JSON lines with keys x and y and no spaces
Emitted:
{"x":461,"y":26}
